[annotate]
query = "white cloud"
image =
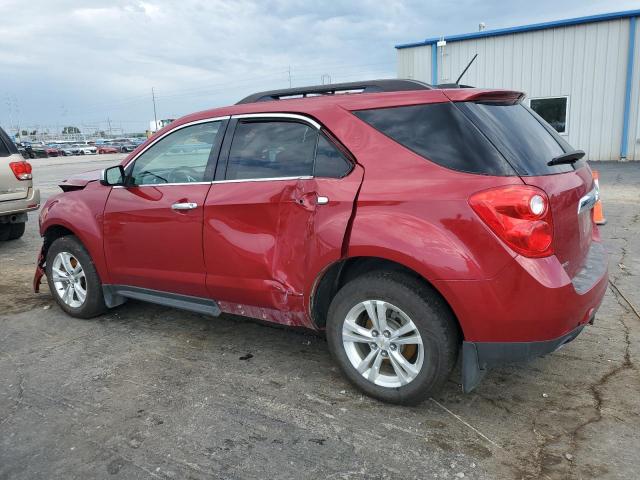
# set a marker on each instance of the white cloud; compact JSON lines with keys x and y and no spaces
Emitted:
{"x":85,"y":61}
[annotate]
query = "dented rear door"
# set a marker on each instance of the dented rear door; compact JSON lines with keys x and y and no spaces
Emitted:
{"x":269,"y":223}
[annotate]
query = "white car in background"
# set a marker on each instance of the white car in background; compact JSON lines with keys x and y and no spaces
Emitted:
{"x":85,"y":149}
{"x":17,"y":195}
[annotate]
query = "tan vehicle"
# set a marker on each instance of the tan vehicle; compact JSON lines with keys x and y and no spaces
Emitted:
{"x":17,"y":195}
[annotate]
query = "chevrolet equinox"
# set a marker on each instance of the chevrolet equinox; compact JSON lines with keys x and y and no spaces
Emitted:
{"x":413,"y":224}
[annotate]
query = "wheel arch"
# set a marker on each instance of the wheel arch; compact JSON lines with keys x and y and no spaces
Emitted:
{"x":52,"y":233}
{"x":338,"y":274}
{"x":57,"y":230}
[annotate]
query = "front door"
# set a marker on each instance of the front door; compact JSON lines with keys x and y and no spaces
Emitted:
{"x":279,"y":209}
{"x":153,"y":226}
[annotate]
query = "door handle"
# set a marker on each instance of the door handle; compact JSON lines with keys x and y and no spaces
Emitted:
{"x":184,"y":206}
{"x":322,"y":200}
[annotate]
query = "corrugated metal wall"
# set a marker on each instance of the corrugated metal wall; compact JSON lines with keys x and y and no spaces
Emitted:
{"x":587,"y":63}
{"x":415,"y":63}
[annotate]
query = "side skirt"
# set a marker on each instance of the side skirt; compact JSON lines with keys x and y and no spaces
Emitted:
{"x":115,"y":295}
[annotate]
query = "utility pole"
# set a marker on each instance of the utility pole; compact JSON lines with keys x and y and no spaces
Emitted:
{"x":10,"y":109}
{"x":155,"y":115}
{"x":289,"y":76}
{"x":109,"y":122}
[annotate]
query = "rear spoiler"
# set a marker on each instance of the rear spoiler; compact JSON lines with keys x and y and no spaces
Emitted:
{"x":503,"y":97}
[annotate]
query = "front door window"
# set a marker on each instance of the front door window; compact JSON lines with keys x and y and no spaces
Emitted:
{"x":181,"y":157}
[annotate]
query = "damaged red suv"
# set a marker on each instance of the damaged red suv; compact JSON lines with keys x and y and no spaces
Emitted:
{"x":411,"y":223}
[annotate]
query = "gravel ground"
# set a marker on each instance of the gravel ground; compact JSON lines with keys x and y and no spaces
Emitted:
{"x":146,"y":391}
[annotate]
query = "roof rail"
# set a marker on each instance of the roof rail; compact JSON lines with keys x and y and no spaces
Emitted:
{"x":368,"y":86}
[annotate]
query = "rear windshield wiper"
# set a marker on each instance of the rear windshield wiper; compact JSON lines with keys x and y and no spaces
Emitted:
{"x":570,"y":157}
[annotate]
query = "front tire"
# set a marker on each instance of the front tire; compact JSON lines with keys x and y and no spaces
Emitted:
{"x":393,"y":337}
{"x":73,"y":279}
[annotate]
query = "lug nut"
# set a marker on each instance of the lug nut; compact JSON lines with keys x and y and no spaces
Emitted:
{"x":393,"y":347}
{"x":384,"y":353}
{"x":374,"y":333}
{"x":373,"y":346}
{"x":387,"y":333}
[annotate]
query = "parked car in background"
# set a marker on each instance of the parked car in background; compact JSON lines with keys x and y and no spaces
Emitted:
{"x":17,"y":195}
{"x":472,"y":231}
{"x":84,"y":149}
{"x":51,"y":151}
{"x":106,"y":149}
{"x":68,"y":149}
{"x":26,"y":150}
{"x":41,"y":150}
{"x":125,"y":147}
{"x":38,"y":150}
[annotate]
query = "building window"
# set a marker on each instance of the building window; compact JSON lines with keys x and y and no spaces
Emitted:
{"x":553,"y":110}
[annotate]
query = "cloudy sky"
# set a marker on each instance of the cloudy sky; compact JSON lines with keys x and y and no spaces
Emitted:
{"x":85,"y":63}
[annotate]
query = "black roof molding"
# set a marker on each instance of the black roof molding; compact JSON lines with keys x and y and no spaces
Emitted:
{"x":368,"y":86}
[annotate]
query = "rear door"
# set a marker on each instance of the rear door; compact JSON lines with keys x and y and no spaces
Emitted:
{"x":278,"y":210}
{"x":153,"y":227}
{"x":528,"y":143}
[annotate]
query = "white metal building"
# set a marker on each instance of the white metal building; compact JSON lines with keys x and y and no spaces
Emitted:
{"x":582,"y":74}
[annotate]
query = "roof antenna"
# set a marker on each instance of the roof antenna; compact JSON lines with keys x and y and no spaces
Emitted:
{"x":465,"y":70}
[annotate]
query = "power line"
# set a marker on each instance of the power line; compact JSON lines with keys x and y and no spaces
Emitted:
{"x":307,"y":77}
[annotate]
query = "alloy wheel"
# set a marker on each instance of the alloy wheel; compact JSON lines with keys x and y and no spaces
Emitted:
{"x":382,"y":343}
{"x":69,"y":279}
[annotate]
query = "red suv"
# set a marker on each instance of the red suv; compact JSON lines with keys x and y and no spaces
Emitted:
{"x":409,"y":222}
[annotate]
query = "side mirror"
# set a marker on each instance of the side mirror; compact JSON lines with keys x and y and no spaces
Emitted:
{"x":113,"y":176}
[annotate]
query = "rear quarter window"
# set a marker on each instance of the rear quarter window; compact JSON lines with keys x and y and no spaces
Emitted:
{"x":525,"y":140}
{"x":441,"y":133}
{"x":330,"y":162}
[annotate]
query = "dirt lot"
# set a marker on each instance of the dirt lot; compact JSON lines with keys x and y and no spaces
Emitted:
{"x":146,"y":391}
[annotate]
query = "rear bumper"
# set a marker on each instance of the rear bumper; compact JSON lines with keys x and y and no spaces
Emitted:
{"x":479,"y":357}
{"x":529,"y":309}
{"x":30,"y":202}
{"x":530,"y":300}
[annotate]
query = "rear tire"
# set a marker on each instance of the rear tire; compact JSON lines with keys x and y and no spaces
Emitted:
{"x":73,"y":279}
{"x":428,"y":348}
{"x":17,"y":230}
{"x":5,"y":231}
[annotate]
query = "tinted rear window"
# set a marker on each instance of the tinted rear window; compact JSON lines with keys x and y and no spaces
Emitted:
{"x":440,"y":133}
{"x":521,"y":136}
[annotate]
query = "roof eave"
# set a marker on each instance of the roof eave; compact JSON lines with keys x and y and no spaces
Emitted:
{"x":525,"y":28}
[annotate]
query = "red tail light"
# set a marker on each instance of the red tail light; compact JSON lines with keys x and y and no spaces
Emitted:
{"x":22,"y":170}
{"x":520,"y":216}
